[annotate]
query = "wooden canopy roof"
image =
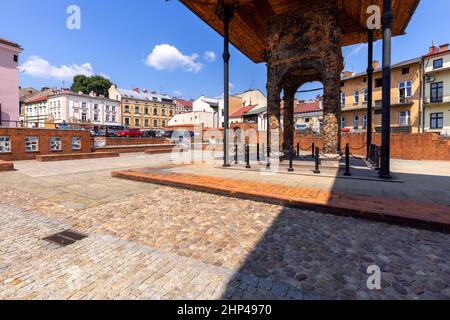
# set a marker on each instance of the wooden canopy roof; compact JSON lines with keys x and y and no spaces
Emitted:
{"x":248,"y":28}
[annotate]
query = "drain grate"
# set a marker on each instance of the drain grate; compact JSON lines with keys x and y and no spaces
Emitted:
{"x":65,"y":238}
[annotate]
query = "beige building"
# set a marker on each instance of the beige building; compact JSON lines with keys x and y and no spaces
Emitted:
{"x":436,"y":66}
{"x":142,"y":109}
{"x":405,"y":99}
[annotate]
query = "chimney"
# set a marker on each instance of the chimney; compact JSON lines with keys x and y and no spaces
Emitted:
{"x":434,"y":48}
{"x":153,"y":92}
{"x":136,"y":90}
{"x":347,"y":74}
{"x":444,"y":47}
{"x":376,"y":64}
{"x":145,"y":91}
{"x":93,"y":94}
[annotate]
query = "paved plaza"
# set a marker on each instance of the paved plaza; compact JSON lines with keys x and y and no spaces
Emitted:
{"x":148,"y":241}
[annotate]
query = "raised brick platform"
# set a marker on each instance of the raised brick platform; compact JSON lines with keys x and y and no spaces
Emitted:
{"x":419,"y":214}
{"x":77,"y":156}
{"x":6,"y":166}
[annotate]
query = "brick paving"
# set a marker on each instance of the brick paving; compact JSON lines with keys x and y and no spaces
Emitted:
{"x":147,"y":241}
{"x":414,"y":212}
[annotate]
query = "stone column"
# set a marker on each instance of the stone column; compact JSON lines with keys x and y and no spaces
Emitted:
{"x":288,"y":116}
{"x":331,"y":115}
{"x":273,"y":115}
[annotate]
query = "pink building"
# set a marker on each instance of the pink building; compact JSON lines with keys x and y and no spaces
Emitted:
{"x":9,"y":83}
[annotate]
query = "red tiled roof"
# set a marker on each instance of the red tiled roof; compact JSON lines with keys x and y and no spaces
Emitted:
{"x":242,"y":111}
{"x":437,"y":53}
{"x":9,"y":43}
{"x":303,"y":107}
{"x":40,"y":99}
{"x":184,"y":103}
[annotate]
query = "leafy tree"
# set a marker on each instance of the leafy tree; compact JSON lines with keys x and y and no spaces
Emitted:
{"x":98,"y":84}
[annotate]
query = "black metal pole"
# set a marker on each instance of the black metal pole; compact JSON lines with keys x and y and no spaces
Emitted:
{"x":236,"y":154}
{"x":227,"y":15}
{"x":248,"y":156}
{"x":313,"y":150}
{"x":317,"y":163}
{"x":291,"y":162}
{"x":347,"y":161}
{"x":298,"y":149}
{"x":385,"y":172}
{"x":258,"y":158}
{"x":369,"y":91}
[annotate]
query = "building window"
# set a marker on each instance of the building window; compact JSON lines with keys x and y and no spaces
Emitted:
{"x":96,"y":117}
{"x":55,"y":144}
{"x":146,"y":123}
{"x":164,"y":123}
{"x":404,"y":91}
{"x":342,"y":122}
{"x":84,"y":117}
{"x":356,"y":122}
{"x":155,"y":123}
{"x":136,"y":110}
{"x":365,"y":95}
{"x":31,"y":144}
{"x":113,"y":119}
{"x":127,"y":121}
{"x":437,"y":92}
{"x":84,"y":105}
{"x":127,"y":109}
{"x":343,"y":99}
{"x":146,"y":110}
{"x":436,"y":122}
{"x":95,"y":106}
{"x":107,"y":108}
{"x":136,"y":122}
{"x":404,"y":117}
{"x":405,"y":70}
{"x":356,"y":95}
{"x":437,"y":64}
{"x":113,"y":109}
{"x":155,"y":112}
{"x":76,"y":143}
{"x":16,"y":58}
{"x":378,"y":83}
{"x":171,"y":112}
{"x":5,"y":145}
{"x":364,"y":121}
{"x":163,"y":112}
{"x":107,"y":118}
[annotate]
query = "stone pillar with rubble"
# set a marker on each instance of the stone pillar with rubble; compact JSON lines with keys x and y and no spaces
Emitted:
{"x":306,"y":45}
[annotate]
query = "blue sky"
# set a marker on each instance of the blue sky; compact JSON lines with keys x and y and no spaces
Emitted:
{"x":117,"y":37}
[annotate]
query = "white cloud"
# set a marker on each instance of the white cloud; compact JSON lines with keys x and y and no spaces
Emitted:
{"x":356,"y":50}
{"x":210,"y":56}
{"x":167,"y":57}
{"x":40,"y":68}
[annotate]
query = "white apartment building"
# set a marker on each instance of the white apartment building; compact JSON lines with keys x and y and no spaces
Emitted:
{"x":436,"y":115}
{"x":35,"y":112}
{"x":192,"y":118}
{"x":78,"y":108}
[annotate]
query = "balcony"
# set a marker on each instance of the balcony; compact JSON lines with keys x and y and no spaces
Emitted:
{"x":437,"y":100}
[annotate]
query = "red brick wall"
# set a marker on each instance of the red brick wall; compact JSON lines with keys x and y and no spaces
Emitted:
{"x":112,"y":142}
{"x":426,"y":146}
{"x":17,"y":138}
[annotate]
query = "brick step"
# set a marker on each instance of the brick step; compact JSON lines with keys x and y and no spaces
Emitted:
{"x":159,"y":150}
{"x":76,"y":156}
{"x":6,"y":166}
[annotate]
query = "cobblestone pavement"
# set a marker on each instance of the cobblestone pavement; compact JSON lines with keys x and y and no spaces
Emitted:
{"x":210,"y":247}
{"x":152,"y":242}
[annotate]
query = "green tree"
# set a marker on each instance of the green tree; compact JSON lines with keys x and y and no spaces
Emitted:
{"x":98,"y":84}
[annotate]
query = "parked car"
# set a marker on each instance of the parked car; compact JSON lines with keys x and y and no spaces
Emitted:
{"x":129,"y":133}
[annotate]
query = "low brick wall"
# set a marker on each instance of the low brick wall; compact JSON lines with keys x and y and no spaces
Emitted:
{"x":80,"y":156}
{"x":6,"y":166}
{"x":425,"y":146}
{"x":111,"y":141}
{"x":16,"y":149}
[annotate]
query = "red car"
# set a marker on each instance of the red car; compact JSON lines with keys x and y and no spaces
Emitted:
{"x":133,"y":133}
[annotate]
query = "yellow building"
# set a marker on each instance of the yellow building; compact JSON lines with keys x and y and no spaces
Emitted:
{"x":143,"y":110}
{"x":436,"y":65}
{"x":405,"y":99}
